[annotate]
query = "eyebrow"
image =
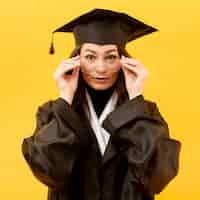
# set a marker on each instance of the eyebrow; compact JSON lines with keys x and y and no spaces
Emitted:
{"x":108,"y":51}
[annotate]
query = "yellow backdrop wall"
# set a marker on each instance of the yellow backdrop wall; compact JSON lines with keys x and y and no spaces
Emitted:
{"x":170,"y":55}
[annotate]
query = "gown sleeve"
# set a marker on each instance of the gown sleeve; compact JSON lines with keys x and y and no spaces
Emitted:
{"x":55,"y":145}
{"x":142,"y":134}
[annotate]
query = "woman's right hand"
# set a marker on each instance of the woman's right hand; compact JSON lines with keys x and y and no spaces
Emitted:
{"x":67,"y":83}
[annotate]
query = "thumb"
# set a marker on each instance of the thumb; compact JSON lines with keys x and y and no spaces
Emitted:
{"x":76,"y":71}
{"x":126,"y":71}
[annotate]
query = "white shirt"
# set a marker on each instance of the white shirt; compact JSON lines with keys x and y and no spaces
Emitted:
{"x":96,"y":123}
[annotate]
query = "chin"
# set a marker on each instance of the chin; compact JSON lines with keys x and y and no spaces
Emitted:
{"x":101,"y":86}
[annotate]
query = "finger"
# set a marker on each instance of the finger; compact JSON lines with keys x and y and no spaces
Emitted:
{"x":72,"y":71}
{"x":63,"y":69}
{"x":76,"y":57}
{"x":131,"y":68}
{"x":136,"y":67}
{"x":131,"y":62}
{"x":129,"y":71}
{"x":129,"y":58}
{"x":76,"y":71}
{"x":66,"y":67}
{"x":140,"y":73}
{"x":71,"y":59}
{"x":132,"y":59}
{"x":70,"y":65}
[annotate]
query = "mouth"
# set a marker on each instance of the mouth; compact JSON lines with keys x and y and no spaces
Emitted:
{"x":101,"y":78}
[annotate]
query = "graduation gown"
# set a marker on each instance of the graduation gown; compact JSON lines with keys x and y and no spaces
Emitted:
{"x":139,"y":161}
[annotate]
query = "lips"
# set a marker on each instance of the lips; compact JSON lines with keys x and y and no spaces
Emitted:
{"x":101,"y":78}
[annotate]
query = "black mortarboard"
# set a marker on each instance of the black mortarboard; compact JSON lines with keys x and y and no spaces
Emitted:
{"x":102,"y":26}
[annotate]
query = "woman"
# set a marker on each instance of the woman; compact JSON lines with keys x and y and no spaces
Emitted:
{"x":100,"y":139}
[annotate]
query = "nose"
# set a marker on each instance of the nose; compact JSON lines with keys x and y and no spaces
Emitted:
{"x":100,"y":66}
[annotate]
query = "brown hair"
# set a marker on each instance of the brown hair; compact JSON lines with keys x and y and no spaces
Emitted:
{"x":79,"y":100}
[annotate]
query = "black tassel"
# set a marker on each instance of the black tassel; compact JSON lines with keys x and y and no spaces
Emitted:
{"x":51,"y":49}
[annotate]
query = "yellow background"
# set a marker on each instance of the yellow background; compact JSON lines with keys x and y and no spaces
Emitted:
{"x":171,"y":56}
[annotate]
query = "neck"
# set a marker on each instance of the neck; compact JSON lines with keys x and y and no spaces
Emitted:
{"x":99,"y":97}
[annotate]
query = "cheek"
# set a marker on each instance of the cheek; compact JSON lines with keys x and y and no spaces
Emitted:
{"x":85,"y":67}
{"x":116,"y":67}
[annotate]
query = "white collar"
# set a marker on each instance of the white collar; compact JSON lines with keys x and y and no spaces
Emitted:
{"x":96,"y":123}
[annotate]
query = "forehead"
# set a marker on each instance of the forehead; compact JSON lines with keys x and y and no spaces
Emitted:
{"x":99,"y":48}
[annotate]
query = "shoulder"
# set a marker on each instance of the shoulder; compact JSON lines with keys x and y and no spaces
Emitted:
{"x":150,"y":105}
{"x":154,"y":111}
{"x":45,"y":107}
{"x":140,"y":101}
{"x":48,"y":106}
{"x":44,"y":112}
{"x":141,"y":106}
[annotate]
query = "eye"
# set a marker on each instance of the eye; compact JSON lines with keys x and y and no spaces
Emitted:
{"x":112,"y":57}
{"x":90,"y":57}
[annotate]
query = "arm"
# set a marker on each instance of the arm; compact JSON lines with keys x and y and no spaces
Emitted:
{"x":55,"y":145}
{"x":142,"y":135}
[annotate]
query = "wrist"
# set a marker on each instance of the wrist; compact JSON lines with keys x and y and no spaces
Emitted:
{"x":67,"y":97}
{"x":134,"y":95}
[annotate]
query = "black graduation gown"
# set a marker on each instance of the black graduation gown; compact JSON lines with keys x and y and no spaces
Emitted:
{"x":139,"y":161}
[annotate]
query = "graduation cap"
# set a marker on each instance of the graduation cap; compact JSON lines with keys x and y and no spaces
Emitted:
{"x":103,"y":26}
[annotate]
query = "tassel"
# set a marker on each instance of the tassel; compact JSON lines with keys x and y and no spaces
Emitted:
{"x":51,"y":49}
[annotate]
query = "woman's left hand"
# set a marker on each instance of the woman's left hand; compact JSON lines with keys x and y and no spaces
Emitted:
{"x":135,"y":75}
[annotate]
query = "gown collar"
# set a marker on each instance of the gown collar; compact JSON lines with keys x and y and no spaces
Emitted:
{"x":96,"y":122}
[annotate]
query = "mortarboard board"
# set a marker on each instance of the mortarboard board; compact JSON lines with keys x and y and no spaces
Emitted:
{"x":103,"y":26}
